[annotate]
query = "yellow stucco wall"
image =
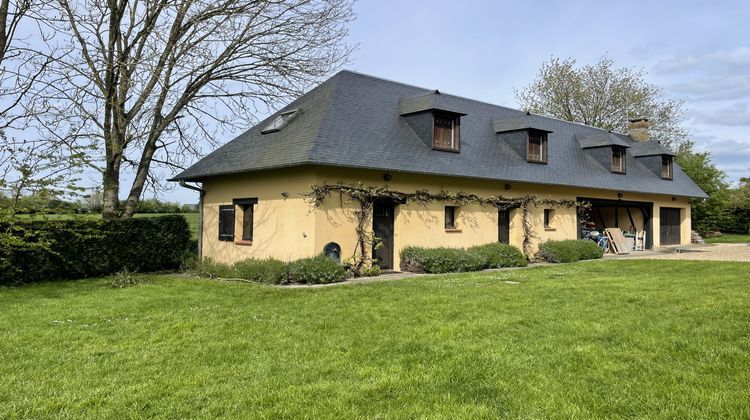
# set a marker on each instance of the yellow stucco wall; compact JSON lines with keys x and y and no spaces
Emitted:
{"x":284,"y":227}
{"x":288,"y":228}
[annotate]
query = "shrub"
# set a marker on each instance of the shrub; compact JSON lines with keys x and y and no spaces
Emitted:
{"x":568,"y":251}
{"x":269,"y":270}
{"x":498,"y":255}
{"x":319,"y":269}
{"x":371,"y":271}
{"x":440,"y":260}
{"x":42,"y":250}
{"x":212,"y":269}
{"x":126,"y":279}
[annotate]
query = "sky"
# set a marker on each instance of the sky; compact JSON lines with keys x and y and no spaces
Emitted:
{"x":698,"y":52}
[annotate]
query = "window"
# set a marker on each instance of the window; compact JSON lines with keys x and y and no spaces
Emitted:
{"x":537,"y":150}
{"x":450,"y":217}
{"x":226,"y":223}
{"x":666,"y":167}
{"x":279,"y":122}
{"x":549,"y":214}
{"x":246,"y":205}
{"x":446,"y":132}
{"x":618,"y":160}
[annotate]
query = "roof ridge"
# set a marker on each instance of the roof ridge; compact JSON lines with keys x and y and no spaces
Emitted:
{"x":357,"y":73}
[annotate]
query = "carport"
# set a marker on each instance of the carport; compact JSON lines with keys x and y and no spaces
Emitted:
{"x":630,"y":216}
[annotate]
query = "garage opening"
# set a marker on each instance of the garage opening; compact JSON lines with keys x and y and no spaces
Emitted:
{"x":669,"y":219}
{"x":632,"y":217}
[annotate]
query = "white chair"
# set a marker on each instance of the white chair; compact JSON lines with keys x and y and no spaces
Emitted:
{"x":640,"y":241}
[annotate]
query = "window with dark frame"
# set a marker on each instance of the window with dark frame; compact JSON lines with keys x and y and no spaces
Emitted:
{"x":226,"y":222}
{"x":548,"y":214}
{"x":446,"y":132}
{"x":537,"y":150}
{"x":666,"y":167}
{"x":247,"y":205}
{"x":618,"y":160}
{"x":450,"y":217}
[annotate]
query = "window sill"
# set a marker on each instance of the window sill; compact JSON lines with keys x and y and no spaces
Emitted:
{"x":246,"y":243}
{"x":453,"y":230}
{"x":549,"y":229}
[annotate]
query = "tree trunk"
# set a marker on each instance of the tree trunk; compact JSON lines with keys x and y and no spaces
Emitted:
{"x":144,"y":166}
{"x":111,"y":181}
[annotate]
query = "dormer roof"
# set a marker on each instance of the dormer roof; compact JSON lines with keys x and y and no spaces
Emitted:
{"x":523,"y":121}
{"x":601,"y":139}
{"x":432,"y":101}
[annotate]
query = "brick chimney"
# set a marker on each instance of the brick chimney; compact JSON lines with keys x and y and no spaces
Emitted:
{"x":638,"y":129}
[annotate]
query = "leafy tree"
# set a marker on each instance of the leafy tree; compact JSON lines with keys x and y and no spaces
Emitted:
{"x":711,"y":214}
{"x":602,"y":95}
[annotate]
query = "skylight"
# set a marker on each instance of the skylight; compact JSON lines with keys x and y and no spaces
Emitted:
{"x":280,"y":121}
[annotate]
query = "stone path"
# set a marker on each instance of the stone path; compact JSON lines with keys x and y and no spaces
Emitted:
{"x":707,"y":252}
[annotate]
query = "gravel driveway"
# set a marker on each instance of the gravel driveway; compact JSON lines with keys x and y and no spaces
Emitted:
{"x":709,"y":252}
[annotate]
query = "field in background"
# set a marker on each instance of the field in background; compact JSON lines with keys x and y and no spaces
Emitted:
{"x":728,"y":238}
{"x":628,"y":338}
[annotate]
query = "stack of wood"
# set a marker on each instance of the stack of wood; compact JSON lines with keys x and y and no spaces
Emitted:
{"x":617,"y":243}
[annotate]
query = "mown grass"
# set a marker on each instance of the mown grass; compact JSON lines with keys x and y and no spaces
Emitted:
{"x":728,"y":238}
{"x":192,"y":218}
{"x":597,"y":339}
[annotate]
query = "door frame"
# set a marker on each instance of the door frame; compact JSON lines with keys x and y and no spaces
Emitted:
{"x":392,"y":204}
{"x":677,"y":229}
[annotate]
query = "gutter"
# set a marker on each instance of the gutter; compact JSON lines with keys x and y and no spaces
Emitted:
{"x":201,"y":193}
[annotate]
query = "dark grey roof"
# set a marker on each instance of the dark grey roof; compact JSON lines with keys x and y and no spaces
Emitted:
{"x":353,"y":120}
{"x":520,"y":122}
{"x":601,"y":139}
{"x":650,"y":148}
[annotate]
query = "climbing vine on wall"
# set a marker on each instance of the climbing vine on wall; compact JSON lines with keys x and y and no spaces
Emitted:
{"x":366,"y":196}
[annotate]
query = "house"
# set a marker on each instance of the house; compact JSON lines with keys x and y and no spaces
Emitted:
{"x":356,"y":129}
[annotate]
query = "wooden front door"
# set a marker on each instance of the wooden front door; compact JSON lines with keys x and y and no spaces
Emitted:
{"x":382,"y":227}
{"x":669,"y":219}
{"x":503,"y":226}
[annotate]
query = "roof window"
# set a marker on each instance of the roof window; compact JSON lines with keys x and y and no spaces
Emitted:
{"x":280,"y":121}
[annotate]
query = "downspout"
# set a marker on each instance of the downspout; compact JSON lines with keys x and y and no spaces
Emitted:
{"x":201,"y":193}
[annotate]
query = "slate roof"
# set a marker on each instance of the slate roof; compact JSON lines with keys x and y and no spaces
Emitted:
{"x":353,"y":120}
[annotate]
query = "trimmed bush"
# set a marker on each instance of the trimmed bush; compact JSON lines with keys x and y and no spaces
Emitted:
{"x":319,"y":269}
{"x":212,"y":269}
{"x":442,"y":260}
{"x":568,"y":251}
{"x":499,"y":255}
{"x":315,"y":270}
{"x":269,"y":270}
{"x":43,"y":250}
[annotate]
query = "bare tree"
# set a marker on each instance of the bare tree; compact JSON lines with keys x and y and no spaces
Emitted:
{"x":146,"y":82}
{"x":603,"y":96}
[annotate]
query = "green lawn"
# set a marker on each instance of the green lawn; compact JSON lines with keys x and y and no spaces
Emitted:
{"x":596,"y":339}
{"x":192,"y":218}
{"x":729,"y":238}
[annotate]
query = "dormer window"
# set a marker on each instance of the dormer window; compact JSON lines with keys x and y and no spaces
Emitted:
{"x":618,"y":160}
{"x":537,"y":148}
{"x":446,"y":130}
{"x":666,"y":167}
{"x":280,"y":121}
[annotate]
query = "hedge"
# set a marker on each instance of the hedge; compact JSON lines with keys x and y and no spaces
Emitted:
{"x":499,"y":255}
{"x":450,"y":260}
{"x":314,"y":270}
{"x":568,"y":251}
{"x":43,"y":250}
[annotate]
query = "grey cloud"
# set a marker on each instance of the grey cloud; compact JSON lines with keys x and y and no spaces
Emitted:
{"x":737,"y":114}
{"x":716,"y":88}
